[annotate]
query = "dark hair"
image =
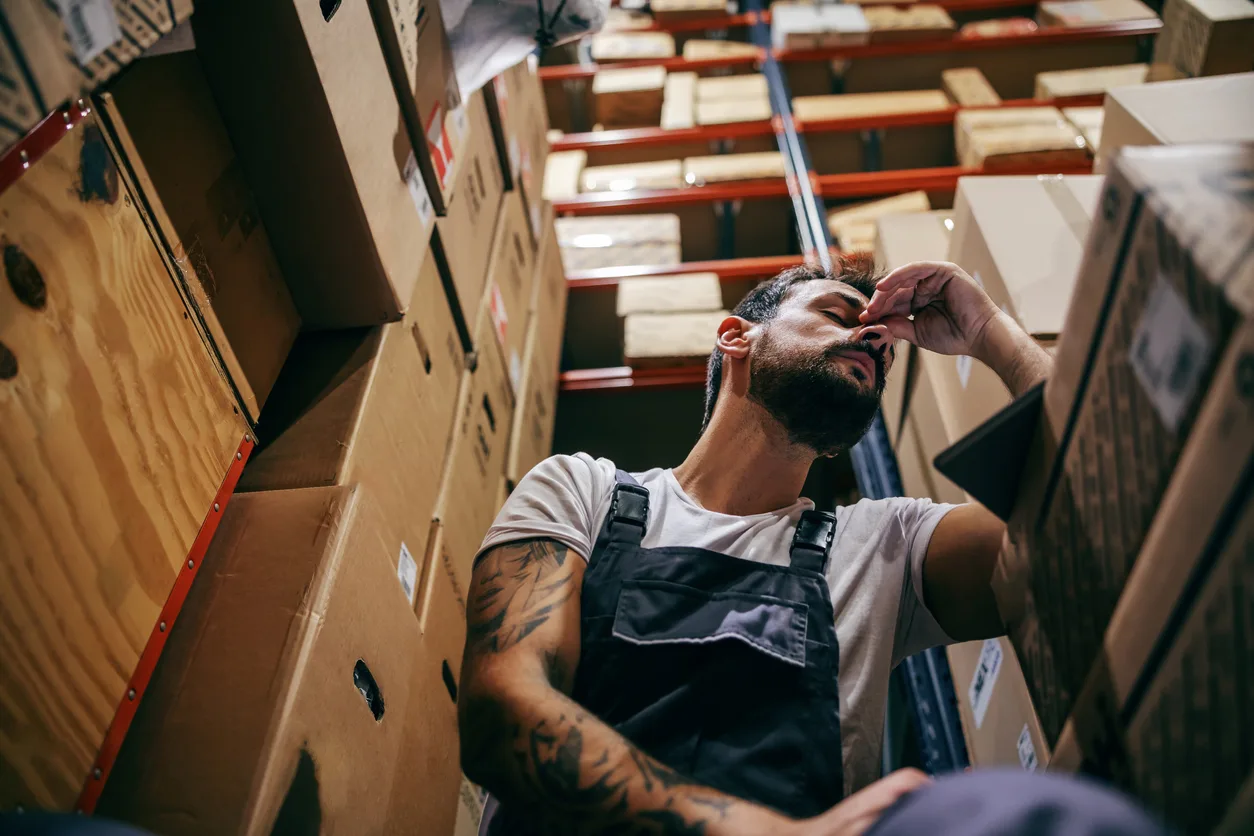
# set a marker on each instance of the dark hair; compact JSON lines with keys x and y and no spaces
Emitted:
{"x":762,"y":304}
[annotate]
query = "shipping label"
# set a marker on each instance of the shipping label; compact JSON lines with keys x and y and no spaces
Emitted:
{"x":92,"y":26}
{"x":407,"y":572}
{"x":981,"y":691}
{"x":1027,"y":751}
{"x":1169,"y":353}
{"x":418,"y":190}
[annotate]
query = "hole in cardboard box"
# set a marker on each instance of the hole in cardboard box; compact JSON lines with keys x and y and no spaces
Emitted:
{"x":422,"y":347}
{"x":364,"y":680}
{"x":301,"y":814}
{"x":487,"y":408}
{"x":449,"y":682}
{"x":329,"y":8}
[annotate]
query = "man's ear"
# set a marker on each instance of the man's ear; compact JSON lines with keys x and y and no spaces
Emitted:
{"x":733,"y":337}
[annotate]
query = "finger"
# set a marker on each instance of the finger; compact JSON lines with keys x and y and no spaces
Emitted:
{"x":900,"y":327}
{"x":910,"y":274}
{"x":883,"y":303}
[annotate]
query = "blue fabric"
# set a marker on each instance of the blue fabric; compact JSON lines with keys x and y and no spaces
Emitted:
{"x":60,"y":824}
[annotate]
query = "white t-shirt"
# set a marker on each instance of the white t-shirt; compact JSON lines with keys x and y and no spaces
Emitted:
{"x":874,"y":571}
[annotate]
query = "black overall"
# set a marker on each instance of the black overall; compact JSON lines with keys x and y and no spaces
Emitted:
{"x":721,"y":668}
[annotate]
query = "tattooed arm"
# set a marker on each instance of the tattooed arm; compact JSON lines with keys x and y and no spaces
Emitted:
{"x":536,"y":749}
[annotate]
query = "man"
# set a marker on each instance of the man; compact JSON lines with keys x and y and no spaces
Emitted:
{"x":696,"y":650}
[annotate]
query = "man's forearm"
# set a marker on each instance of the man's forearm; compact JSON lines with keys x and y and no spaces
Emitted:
{"x":1012,"y":353}
{"x":543,"y":755}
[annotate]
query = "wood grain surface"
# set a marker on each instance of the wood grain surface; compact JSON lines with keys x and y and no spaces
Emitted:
{"x":115,"y":432}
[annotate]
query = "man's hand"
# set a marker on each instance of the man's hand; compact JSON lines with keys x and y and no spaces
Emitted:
{"x":951,"y":312}
{"x":859,"y":811}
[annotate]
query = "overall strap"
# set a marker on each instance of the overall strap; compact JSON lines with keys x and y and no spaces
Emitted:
{"x":629,"y":511}
{"x":813,"y":541}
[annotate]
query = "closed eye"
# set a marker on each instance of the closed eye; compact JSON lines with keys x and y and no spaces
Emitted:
{"x":839,"y":319}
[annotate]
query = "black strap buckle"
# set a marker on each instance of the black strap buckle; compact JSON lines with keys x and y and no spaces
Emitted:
{"x":629,"y":512}
{"x":813,"y":540}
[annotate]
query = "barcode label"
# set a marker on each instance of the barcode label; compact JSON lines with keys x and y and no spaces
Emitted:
{"x":418,"y":190}
{"x":981,"y":691}
{"x":1027,"y":751}
{"x":91,"y":25}
{"x":407,"y":573}
{"x":964,"y":369}
{"x":1169,"y":353}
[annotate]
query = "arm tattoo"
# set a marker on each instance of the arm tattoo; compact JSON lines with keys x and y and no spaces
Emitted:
{"x":516,"y":588}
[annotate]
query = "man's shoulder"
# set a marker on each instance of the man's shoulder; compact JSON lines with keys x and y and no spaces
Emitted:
{"x":879,"y":512}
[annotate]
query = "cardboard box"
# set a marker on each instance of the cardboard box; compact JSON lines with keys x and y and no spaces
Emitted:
{"x":1026,"y":146}
{"x":1129,"y":375}
{"x":369,"y":406}
{"x":726,"y":111}
{"x":1206,"y":37}
{"x":724,"y":168}
{"x":857,"y":105}
{"x":302,"y":94}
{"x":1091,"y":12}
{"x":299,"y":640}
{"x":562,"y":172}
{"x":1178,"y":113}
{"x":968,"y":87}
{"x":629,"y":98}
{"x":923,"y":435}
{"x":163,"y":119}
{"x":816,"y":25}
{"x":626,"y":20}
{"x":857,"y":223}
{"x":917,"y":22}
{"x":998,"y":720}
{"x":655,"y":340}
{"x":969,"y":122}
{"x":732,"y":88}
{"x":473,"y":211}
{"x":520,"y":124}
{"x":1088,"y":82}
{"x":48,"y":58}
{"x":1194,"y":548}
{"x":696,"y":49}
{"x":411,"y":32}
{"x":593,"y":241}
{"x":1088,"y":121}
{"x":470,"y":484}
{"x":511,"y":288}
{"x":668,"y":294}
{"x":118,"y":428}
{"x":679,"y":11}
{"x":679,"y":95}
{"x":632,"y":46}
{"x":531,"y":439}
{"x":660,"y":174}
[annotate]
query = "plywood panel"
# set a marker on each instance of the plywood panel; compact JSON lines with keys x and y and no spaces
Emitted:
{"x":115,"y":432}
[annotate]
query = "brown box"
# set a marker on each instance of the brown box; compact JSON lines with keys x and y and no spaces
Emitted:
{"x":531,"y":439}
{"x":411,"y":33}
{"x":923,"y":435}
{"x":725,"y":168}
{"x":653,"y":340}
{"x":857,"y":223}
{"x":164,"y":120}
{"x":1088,"y":121}
{"x":632,"y":46}
{"x":1129,"y":375}
{"x":117,"y":430}
{"x":44,"y":62}
{"x":696,"y":49}
{"x":548,"y":304}
{"x":472,"y":214}
{"x":1178,"y":113}
{"x":1088,"y":82}
{"x":592,"y":241}
{"x":732,"y":88}
{"x":659,"y":174}
{"x":968,"y":87}
{"x":370,"y":406}
{"x":562,"y":173}
{"x":1091,"y":12}
{"x":297,"y":675}
{"x":998,"y":720}
{"x":968,"y":122}
{"x":678,"y":11}
{"x":669,"y":294}
{"x":1206,"y":37}
{"x":1205,"y":505}
{"x":679,"y":97}
{"x":629,"y":98}
{"x":511,"y":277}
{"x":520,"y":123}
{"x":1027,"y":146}
{"x":300,"y":94}
{"x":726,"y":111}
{"x":804,"y":25}
{"x":917,"y":22}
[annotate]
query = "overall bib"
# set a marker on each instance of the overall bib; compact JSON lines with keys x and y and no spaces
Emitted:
{"x":721,"y":668}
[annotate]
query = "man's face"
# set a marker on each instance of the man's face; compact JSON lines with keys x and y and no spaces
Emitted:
{"x":819,"y":371}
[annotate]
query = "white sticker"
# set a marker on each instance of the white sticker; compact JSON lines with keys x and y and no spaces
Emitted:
{"x":964,"y":369}
{"x":418,"y":190}
{"x":1027,"y":752}
{"x":1169,"y":353}
{"x":515,"y":369}
{"x":515,"y":155}
{"x":461,"y":124}
{"x":407,"y":572}
{"x":981,"y":691}
{"x":470,"y":802}
{"x":92,"y":26}
{"x":500,"y":316}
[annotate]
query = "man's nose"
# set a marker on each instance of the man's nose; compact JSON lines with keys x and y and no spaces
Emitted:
{"x":876,"y":334}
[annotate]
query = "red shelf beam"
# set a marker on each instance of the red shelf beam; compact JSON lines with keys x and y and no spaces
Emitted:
{"x":728,"y":270}
{"x":1050,"y":35}
{"x":609,"y":203}
{"x":872,"y":183}
{"x":625,"y":377}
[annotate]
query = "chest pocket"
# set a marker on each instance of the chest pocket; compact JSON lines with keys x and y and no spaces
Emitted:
{"x":653,"y":612}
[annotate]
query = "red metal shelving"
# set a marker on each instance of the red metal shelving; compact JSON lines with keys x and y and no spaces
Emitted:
{"x":625,"y":377}
{"x":608,"y":203}
{"x":732,"y":269}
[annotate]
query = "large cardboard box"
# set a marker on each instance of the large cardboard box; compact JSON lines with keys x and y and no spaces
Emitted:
{"x":297,"y":674}
{"x":969,"y":122}
{"x":548,"y":305}
{"x":725,"y":168}
{"x":593,"y":241}
{"x":472,"y":214}
{"x":1134,"y":704}
{"x":314,"y":118}
{"x":658,"y":174}
{"x":998,"y":720}
{"x":520,"y":123}
{"x":1088,"y":82}
{"x":1206,"y":37}
{"x":511,"y":277}
{"x":629,"y":98}
{"x":420,"y":62}
{"x":668,"y":294}
{"x":916,"y":22}
{"x":853,"y":227}
{"x":968,"y":87}
{"x":800,"y":25}
{"x":164,"y":120}
{"x":54,"y":52}
{"x":372,"y":406}
{"x":924,"y":433}
{"x":653,"y":340}
{"x":833,"y":152}
{"x":117,"y":429}
{"x":1129,"y":375}
{"x":1178,"y":113}
{"x":1091,"y":12}
{"x":1044,"y":145}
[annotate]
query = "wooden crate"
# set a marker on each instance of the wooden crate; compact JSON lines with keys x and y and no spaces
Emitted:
{"x":116,"y":429}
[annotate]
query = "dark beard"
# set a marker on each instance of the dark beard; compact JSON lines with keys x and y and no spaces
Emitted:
{"x":816,"y":403}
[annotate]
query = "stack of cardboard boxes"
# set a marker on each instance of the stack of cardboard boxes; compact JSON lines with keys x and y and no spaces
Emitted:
{"x":297,"y":234}
{"x":670,"y":320}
